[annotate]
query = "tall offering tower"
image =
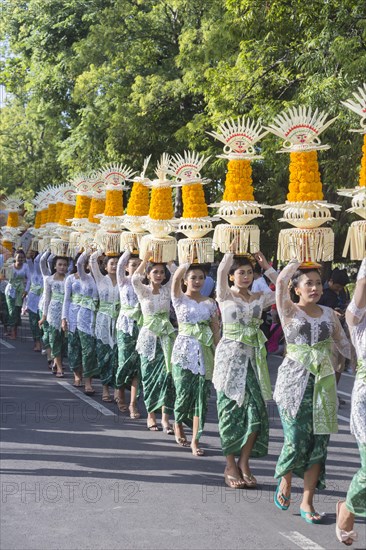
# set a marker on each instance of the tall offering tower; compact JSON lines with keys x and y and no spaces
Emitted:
{"x":238,"y":206}
{"x":356,"y":237}
{"x":305,"y":207}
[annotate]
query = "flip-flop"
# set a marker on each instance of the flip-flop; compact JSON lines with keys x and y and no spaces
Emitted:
{"x":60,"y":375}
{"x":182,"y":441}
{"x":168,"y":430}
{"x":229,"y":480}
{"x":89,"y":392}
{"x":250,"y":481}
{"x":77,"y":385}
{"x":278,"y":494}
{"x":309,"y":517}
{"x":107,"y":399}
{"x":198,"y":452}
{"x":153,"y":428}
{"x":342,"y":535}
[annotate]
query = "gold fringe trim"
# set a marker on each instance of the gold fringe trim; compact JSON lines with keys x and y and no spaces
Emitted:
{"x":163,"y":249}
{"x":195,"y":251}
{"x":356,"y":241}
{"x":307,"y":245}
{"x":246,"y":237}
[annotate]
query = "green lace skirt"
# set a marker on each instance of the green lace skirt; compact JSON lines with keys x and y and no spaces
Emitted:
{"x":356,"y":495}
{"x":157,"y":383}
{"x":128,"y":358}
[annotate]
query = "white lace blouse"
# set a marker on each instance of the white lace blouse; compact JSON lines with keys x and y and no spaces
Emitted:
{"x":52,"y":307}
{"x":36,"y":286}
{"x":45,"y":269}
{"x":22,"y":273}
{"x":358,"y":337}
{"x":150,"y":304}
{"x":70,"y":308}
{"x":105,"y":325}
{"x":300,"y":328}
{"x":88,"y":289}
{"x":232,"y":357}
{"x":127,"y":295}
{"x":187,"y":351}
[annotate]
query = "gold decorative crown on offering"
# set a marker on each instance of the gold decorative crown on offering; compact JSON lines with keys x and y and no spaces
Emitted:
{"x":356,"y":236}
{"x":160,"y":221}
{"x":238,"y":206}
{"x":194,"y":223}
{"x":137,"y":211}
{"x":108,"y":236}
{"x":305,"y":208}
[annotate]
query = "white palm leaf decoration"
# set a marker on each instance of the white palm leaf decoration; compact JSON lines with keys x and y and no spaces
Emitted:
{"x":142,"y":177}
{"x":81,"y":183}
{"x":97,"y":185}
{"x":300,"y":128}
{"x":239,"y":137}
{"x":358,"y":107}
{"x":12,"y":203}
{"x":187,"y":168}
{"x":115,"y":175}
{"x":161,"y":171}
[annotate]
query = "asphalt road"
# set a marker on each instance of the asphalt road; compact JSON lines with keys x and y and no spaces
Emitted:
{"x":77,"y":474}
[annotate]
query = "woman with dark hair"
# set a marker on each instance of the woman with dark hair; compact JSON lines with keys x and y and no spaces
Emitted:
{"x":54,"y":290}
{"x":33,"y":298}
{"x":70,"y":310}
{"x":107,"y":314}
{"x":355,"y":504}
{"x":193,"y":353}
{"x":86,"y":321}
{"x":305,"y":390}
{"x":17,"y":289}
{"x":45,"y":266}
{"x":241,"y":377}
{"x":155,"y":340}
{"x":128,"y":371}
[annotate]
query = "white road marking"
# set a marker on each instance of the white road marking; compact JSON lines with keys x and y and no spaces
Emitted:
{"x":6,"y":344}
{"x":302,"y":542}
{"x":351,"y":375}
{"x":345,"y":418}
{"x":85,"y":398}
{"x":344,"y":393}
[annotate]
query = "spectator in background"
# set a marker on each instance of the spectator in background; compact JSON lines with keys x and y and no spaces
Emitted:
{"x":209,"y":284}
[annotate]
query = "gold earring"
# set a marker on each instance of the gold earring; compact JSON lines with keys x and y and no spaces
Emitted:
{"x":231,"y":278}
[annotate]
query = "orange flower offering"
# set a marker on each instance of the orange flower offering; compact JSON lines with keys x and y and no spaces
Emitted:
{"x":37,"y":221}
{"x":138,"y":205}
{"x":113,"y":202}
{"x":362,"y":181}
{"x":68,"y":211}
{"x":239,"y":183}
{"x":82,"y":206}
{"x":52,"y":213}
{"x":13,"y":219}
{"x":161,"y":205}
{"x":305,"y":184}
{"x":8,"y":245}
{"x":59,"y":206}
{"x":44,"y":216}
{"x":97,"y":206}
{"x":194,"y":204}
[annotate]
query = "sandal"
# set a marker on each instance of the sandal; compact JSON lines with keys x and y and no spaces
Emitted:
{"x":107,"y":399}
{"x":250,"y":481}
{"x":345,"y":537}
{"x":309,"y":517}
{"x":89,"y":392}
{"x":60,"y":375}
{"x":182,"y":441}
{"x":122,"y":407}
{"x":281,"y":495}
{"x":134,"y":413}
{"x":233,"y":482}
{"x":198,"y":452}
{"x":77,"y":385}
{"x":153,"y":428}
{"x":168,"y":429}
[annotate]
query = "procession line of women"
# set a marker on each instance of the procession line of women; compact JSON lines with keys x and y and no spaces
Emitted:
{"x":117,"y":317}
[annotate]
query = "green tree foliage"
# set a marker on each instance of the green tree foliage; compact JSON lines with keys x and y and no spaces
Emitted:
{"x":92,"y":81}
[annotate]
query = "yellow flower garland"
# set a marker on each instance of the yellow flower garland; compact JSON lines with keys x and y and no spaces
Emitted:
{"x":13,"y":219}
{"x":138,"y":205}
{"x":52,"y":213}
{"x":113,"y":202}
{"x":97,"y":206}
{"x":305,"y":184}
{"x":82,"y":206}
{"x":161,"y":205}
{"x":68,"y":211}
{"x":59,"y":206}
{"x":8,"y":245}
{"x":238,"y":183}
{"x":362,"y":181}
{"x":38,"y":218}
{"x":44,"y":216}
{"x":194,"y":204}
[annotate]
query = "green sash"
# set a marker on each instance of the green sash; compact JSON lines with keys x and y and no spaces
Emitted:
{"x":109,"y":308}
{"x":202,"y":332}
{"x":57,"y":296}
{"x":317,"y":360}
{"x":36,"y":289}
{"x":361,"y":370}
{"x":89,"y":303}
{"x":132,"y":312}
{"x":18,"y":284}
{"x":76,"y":299}
{"x":160,"y":325}
{"x":251,"y":335}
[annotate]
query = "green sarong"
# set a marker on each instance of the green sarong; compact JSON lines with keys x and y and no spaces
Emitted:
{"x":14,"y":312}
{"x":237,"y":423}
{"x":4,"y":314}
{"x":57,"y":341}
{"x":88,"y":355}
{"x":107,"y":359}
{"x":128,"y":358}
{"x":192,"y":395}
{"x":33,"y":323}
{"x":157,"y":383}
{"x":356,"y":495}
{"x":45,"y":332}
{"x":302,"y":448}
{"x":74,"y":351}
